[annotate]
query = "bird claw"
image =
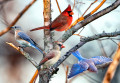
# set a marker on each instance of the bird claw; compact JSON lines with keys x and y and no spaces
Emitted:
{"x":20,"y":48}
{"x":53,"y":70}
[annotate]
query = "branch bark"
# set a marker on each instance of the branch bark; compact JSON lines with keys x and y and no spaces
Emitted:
{"x":26,"y":55}
{"x":112,"y":68}
{"x":47,"y":20}
{"x":87,"y":20}
{"x":17,"y":18}
{"x":47,"y":37}
{"x":82,"y":42}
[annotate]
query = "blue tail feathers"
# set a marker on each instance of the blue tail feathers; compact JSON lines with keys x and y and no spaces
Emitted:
{"x":37,"y":48}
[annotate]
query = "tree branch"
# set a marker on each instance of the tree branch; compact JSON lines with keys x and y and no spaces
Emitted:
{"x":67,"y":67}
{"x":58,"y":6}
{"x":17,"y":18}
{"x":47,"y":19}
{"x":112,"y":68}
{"x":93,"y":30}
{"x":47,"y":36}
{"x":82,"y":42}
{"x":89,"y":19}
{"x":26,"y":55}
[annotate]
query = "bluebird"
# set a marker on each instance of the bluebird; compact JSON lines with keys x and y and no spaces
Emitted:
{"x":87,"y":64}
{"x":23,"y":39}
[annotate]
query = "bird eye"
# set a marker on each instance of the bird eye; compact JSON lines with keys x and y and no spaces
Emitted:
{"x":59,"y":45}
{"x":69,"y":11}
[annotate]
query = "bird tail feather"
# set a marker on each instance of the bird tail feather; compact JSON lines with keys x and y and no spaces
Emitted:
{"x":44,"y":27}
{"x":39,"y":49}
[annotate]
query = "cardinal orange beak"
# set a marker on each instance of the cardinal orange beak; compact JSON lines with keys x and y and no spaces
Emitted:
{"x":62,"y":46}
{"x":71,"y":13}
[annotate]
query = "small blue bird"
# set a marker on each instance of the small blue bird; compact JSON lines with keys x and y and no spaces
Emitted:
{"x":87,"y":64}
{"x":23,"y":39}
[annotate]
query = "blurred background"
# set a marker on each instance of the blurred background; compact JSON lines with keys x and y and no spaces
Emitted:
{"x":14,"y":68}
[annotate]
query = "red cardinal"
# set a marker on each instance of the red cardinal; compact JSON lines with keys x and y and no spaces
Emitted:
{"x":61,"y":23}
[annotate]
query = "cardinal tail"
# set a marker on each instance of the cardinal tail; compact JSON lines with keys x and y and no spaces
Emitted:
{"x":44,"y":27}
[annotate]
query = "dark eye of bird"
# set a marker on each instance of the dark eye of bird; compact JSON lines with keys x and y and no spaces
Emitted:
{"x":69,"y":11}
{"x":59,"y":45}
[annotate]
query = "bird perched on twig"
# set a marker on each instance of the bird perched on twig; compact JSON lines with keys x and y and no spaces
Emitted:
{"x":50,"y":59}
{"x":88,"y":64}
{"x":53,"y":56}
{"x":24,"y":40}
{"x":61,"y":23}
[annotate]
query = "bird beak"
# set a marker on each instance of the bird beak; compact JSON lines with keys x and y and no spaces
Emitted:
{"x":62,"y":46}
{"x":71,"y":13}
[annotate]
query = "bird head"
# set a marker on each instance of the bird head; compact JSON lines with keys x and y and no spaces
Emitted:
{"x":59,"y":45}
{"x":68,"y":10}
{"x":16,"y":27}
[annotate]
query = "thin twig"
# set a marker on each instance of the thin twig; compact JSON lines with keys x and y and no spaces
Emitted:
{"x":89,"y":7}
{"x":94,"y":31}
{"x":88,"y":20}
{"x":47,"y":19}
{"x":84,"y":14}
{"x":82,"y":18}
{"x":114,"y":42}
{"x":98,"y":6}
{"x":82,"y":42}
{"x":26,"y":55}
{"x":58,"y":6}
{"x":99,"y":42}
{"x":63,"y":67}
{"x":67,"y":67}
{"x":73,"y":5}
{"x":80,"y":32}
{"x":17,"y":18}
{"x":112,"y":68}
{"x":34,"y":77}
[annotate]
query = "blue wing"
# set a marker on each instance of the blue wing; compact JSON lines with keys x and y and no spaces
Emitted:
{"x":98,"y":60}
{"x":77,"y":69}
{"x":77,"y":54}
{"x":26,"y":37}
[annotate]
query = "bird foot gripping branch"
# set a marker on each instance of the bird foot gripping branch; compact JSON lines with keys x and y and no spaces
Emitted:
{"x":24,"y":40}
{"x":49,"y":60}
{"x":53,"y":70}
